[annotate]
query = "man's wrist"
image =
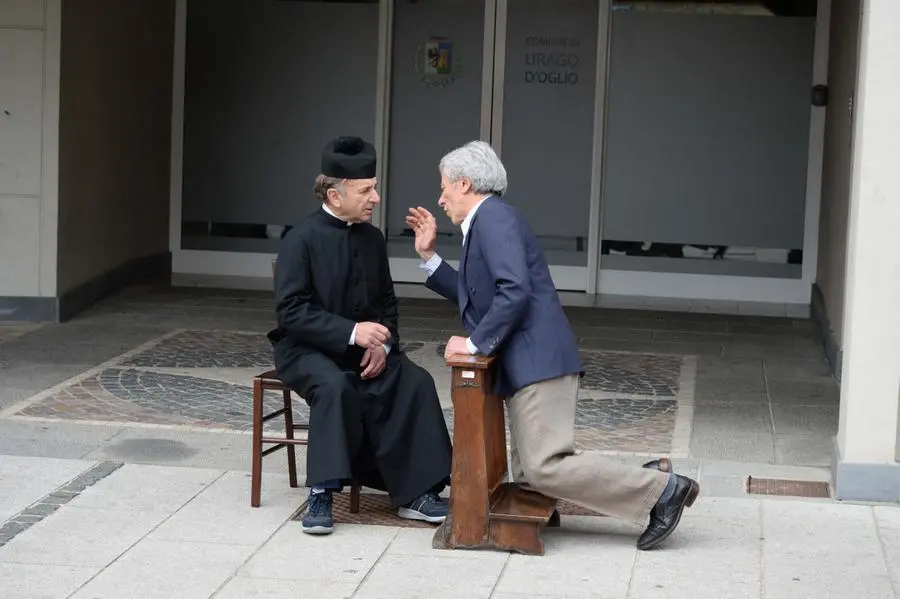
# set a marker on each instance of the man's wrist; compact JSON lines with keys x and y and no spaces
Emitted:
{"x":471,"y":346}
{"x":431,"y":265}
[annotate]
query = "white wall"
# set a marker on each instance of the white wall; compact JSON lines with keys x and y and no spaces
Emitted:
{"x":871,"y":370}
{"x":29,"y":116}
{"x":842,"y":67}
{"x":114,"y":136}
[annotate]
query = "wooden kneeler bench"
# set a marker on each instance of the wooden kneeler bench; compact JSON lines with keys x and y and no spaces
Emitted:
{"x":486,"y":511}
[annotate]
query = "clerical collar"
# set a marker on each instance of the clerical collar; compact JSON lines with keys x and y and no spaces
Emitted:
{"x":467,"y":222}
{"x":328,"y":210}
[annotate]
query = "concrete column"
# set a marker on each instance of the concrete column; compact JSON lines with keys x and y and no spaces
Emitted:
{"x":30,"y":34}
{"x":866,"y":465}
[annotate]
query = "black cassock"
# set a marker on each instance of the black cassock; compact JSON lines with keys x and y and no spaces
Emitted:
{"x":390,"y":430}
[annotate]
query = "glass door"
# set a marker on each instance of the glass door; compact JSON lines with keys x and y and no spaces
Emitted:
{"x":519,"y":74}
{"x":439,"y":100}
{"x":543,"y":124}
{"x":707,"y":153}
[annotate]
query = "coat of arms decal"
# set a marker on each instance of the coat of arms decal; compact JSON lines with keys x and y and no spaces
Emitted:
{"x":436,"y":63}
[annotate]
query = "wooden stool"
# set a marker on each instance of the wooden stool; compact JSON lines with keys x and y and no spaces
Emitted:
{"x":486,"y":512}
{"x":269,"y":381}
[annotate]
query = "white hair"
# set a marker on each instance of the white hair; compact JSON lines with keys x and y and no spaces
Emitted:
{"x":477,"y":162}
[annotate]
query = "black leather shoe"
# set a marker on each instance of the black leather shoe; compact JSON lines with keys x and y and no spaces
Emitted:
{"x":662,"y":464}
{"x":665,"y":518}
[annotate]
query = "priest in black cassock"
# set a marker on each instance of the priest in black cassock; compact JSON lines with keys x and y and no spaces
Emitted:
{"x":373,"y":412}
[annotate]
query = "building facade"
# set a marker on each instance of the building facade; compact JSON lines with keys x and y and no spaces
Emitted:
{"x":737,"y":154}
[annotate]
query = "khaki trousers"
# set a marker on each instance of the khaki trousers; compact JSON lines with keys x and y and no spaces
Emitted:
{"x":542,"y":430}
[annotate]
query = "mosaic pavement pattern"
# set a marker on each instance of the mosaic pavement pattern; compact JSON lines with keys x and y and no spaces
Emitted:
{"x":627,"y":401}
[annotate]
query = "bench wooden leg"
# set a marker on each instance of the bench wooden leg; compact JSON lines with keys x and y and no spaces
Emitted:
{"x":517,"y":518}
{"x":485,"y":511}
{"x":289,"y":433}
{"x":256,"y":466}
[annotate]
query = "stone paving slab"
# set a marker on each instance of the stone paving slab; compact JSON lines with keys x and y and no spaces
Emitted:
{"x":25,"y":480}
{"x":166,"y":569}
{"x":47,"y":505}
{"x":149,"y":444}
{"x":842,"y":556}
{"x":63,"y":440}
{"x":42,"y":581}
{"x":154,"y":532}
{"x":887,"y":521}
{"x":222,"y":512}
{"x":146,"y":444}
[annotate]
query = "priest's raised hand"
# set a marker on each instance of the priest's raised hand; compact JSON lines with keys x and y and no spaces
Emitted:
{"x":371,"y":335}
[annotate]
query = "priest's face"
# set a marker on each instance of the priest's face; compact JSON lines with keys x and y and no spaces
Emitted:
{"x":455,"y":199}
{"x":357,"y":201}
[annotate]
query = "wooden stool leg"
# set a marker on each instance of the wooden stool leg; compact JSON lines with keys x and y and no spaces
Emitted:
{"x":289,"y":433}
{"x":354,"y":496}
{"x":256,"y":466}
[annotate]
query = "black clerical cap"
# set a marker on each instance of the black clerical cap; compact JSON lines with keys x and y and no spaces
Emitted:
{"x":349,"y":158}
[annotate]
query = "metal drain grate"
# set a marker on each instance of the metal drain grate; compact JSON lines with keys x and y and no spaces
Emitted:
{"x":376,"y":510}
{"x":787,"y":488}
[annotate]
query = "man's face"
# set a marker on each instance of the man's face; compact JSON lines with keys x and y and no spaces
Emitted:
{"x":454,"y":198}
{"x":357,"y":201}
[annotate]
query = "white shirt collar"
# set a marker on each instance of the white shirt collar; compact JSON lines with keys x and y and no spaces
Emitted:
{"x":328,"y":210}
{"x":467,"y":222}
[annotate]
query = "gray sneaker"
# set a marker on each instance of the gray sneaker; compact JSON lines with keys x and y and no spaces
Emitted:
{"x":430,"y":507}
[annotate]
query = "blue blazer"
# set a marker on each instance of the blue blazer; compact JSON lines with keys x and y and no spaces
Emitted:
{"x":507,"y":300}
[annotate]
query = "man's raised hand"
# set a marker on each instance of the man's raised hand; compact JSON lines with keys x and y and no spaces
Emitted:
{"x":425,"y":227}
{"x":371,"y":335}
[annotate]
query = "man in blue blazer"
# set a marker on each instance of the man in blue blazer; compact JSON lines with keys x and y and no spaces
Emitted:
{"x":510,"y":307}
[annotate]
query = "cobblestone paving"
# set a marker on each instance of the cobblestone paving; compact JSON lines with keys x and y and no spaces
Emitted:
{"x":207,"y":349}
{"x":621,"y":373}
{"x":625,"y":424}
{"x":628,"y":425}
{"x":648,"y":375}
{"x":148,"y":396}
{"x":627,"y":401}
